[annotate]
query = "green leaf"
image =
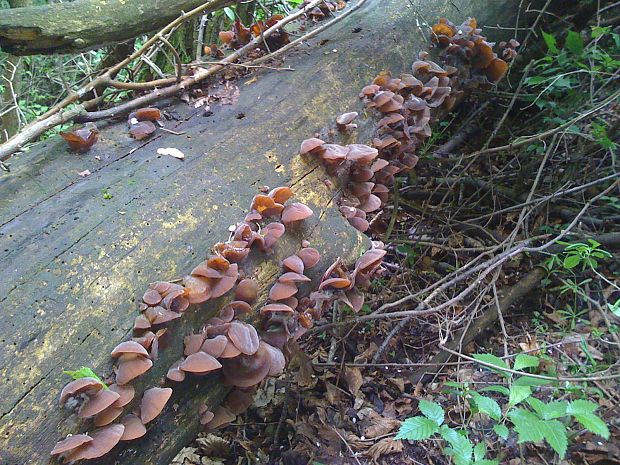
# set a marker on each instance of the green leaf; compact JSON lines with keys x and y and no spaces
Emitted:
{"x":495,"y":388}
{"x":461,"y":448}
{"x":593,"y":423}
{"x":579,"y":406}
{"x":417,"y":428}
{"x":501,"y":431}
{"x":486,"y":462}
{"x":230,"y":13}
{"x":550,"y":42}
{"x":571,"y":261}
{"x":574,"y":42}
{"x":487,"y":405}
{"x":531,"y":381}
{"x":432,"y":411}
{"x":527,"y":425}
{"x":84,"y":372}
{"x":493,"y":360}
{"x":526,"y":361}
{"x":549,"y":411}
{"x":480,"y":451}
{"x":518,"y":394}
{"x":555,"y":435}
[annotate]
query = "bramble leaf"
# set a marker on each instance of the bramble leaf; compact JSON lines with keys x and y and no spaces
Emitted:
{"x":493,"y":360}
{"x":555,"y":435}
{"x":487,"y":405}
{"x":417,"y":428}
{"x":432,"y":411}
{"x":527,"y":425}
{"x":593,"y":423}
{"x":526,"y":361}
{"x":501,"y":431}
{"x":580,"y":406}
{"x":518,"y":394}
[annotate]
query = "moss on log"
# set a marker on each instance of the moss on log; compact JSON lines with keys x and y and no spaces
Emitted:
{"x":74,"y":263}
{"x":84,"y":24}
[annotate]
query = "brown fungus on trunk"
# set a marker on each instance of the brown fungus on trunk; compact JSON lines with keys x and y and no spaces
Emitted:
{"x":312,"y":146}
{"x":131,"y":366}
{"x":244,"y":337}
{"x":295,"y":212}
{"x":107,"y":416}
{"x":70,"y":443}
{"x":142,"y":129}
{"x":153,"y":402}
{"x":248,"y":370}
{"x":281,"y":291}
{"x":293,"y":263}
{"x":247,"y":290}
{"x":134,"y":428}
{"x":200,"y":363}
{"x":129,"y":347}
{"x":175,"y":373}
{"x":82,"y":139}
{"x":103,"y":441}
{"x":309,"y":256}
{"x":221,"y":416}
{"x":98,"y":403}
{"x":87,"y":385}
{"x":343,"y":122}
{"x":215,"y":346}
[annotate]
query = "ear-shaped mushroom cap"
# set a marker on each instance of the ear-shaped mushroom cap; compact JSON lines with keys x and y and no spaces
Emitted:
{"x":131,"y":367}
{"x":280,"y":291}
{"x":294,"y":263}
{"x":160,"y":315}
{"x":276,"y":308}
{"x":70,"y":443}
{"x":197,"y":289}
{"x":98,"y":403}
{"x":153,"y":402}
{"x":215,"y":346}
{"x":309,"y":256}
{"x":142,"y":130}
{"x":239,"y":307}
{"x":496,"y":70}
{"x":346,"y":118}
{"x":281,"y":194}
{"x":200,"y":362}
{"x":222,"y":416}
{"x":266,"y":205}
{"x":372,"y":203}
{"x":148,"y":114}
{"x":230,"y":351}
{"x":337,"y":283}
{"x":278,"y":363}
{"x":310,"y":145}
{"x":334,"y":154}
{"x":244,"y":337}
{"x":87,"y":385}
{"x":151,"y":297}
{"x":295,"y":212}
{"x":291,"y":277}
{"x":134,"y":428}
{"x":103,"y":441}
{"x":272,"y":232}
{"x":225,"y":284}
{"x":248,"y":370}
{"x":370,"y":260}
{"x":126,"y":394}
{"x":192,"y":343}
{"x":107,"y":416}
{"x":247,"y":290}
{"x":360,"y":224}
{"x":141,"y":322}
{"x":129,"y":347}
{"x":206,"y":416}
{"x":175,"y":373}
{"x":360,"y":153}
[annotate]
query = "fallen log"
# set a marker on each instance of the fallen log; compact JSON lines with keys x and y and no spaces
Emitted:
{"x":85,"y":24}
{"x":79,"y":251}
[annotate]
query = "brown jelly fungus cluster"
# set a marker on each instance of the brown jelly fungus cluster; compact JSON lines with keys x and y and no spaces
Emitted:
{"x":407,"y":105}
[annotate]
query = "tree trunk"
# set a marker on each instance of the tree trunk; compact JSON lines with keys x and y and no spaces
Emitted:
{"x":11,"y":80}
{"x":84,"y":24}
{"x":74,"y":263}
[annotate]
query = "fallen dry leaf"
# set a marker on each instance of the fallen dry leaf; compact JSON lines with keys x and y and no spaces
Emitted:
{"x":353,"y":378}
{"x":384,"y":447}
{"x":378,"y":425}
{"x":176,"y":153}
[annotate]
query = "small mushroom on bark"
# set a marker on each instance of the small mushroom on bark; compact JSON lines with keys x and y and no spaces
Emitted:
{"x":134,"y":428}
{"x":344,"y":121}
{"x":247,"y":290}
{"x":295,"y":212}
{"x":153,"y":402}
{"x":87,"y":385}
{"x":98,"y":403}
{"x":103,"y":441}
{"x":70,"y":443}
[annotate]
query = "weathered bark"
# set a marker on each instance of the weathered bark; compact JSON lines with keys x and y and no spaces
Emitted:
{"x":74,"y":263}
{"x":85,"y":24}
{"x":11,"y":80}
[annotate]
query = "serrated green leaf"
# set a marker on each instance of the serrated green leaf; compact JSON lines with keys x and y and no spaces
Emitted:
{"x":574,"y":42}
{"x":493,"y":360}
{"x":432,"y":411}
{"x":555,"y":435}
{"x":526,"y":361}
{"x":580,"y":406}
{"x":501,"y":431}
{"x":480,"y":451}
{"x":593,"y":423}
{"x":417,"y":428}
{"x":501,"y":389}
{"x":518,"y":394}
{"x":461,"y":448}
{"x":537,"y":405}
{"x":555,"y":409}
{"x":487,"y":405}
{"x":550,"y":42}
{"x":527,"y":425}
